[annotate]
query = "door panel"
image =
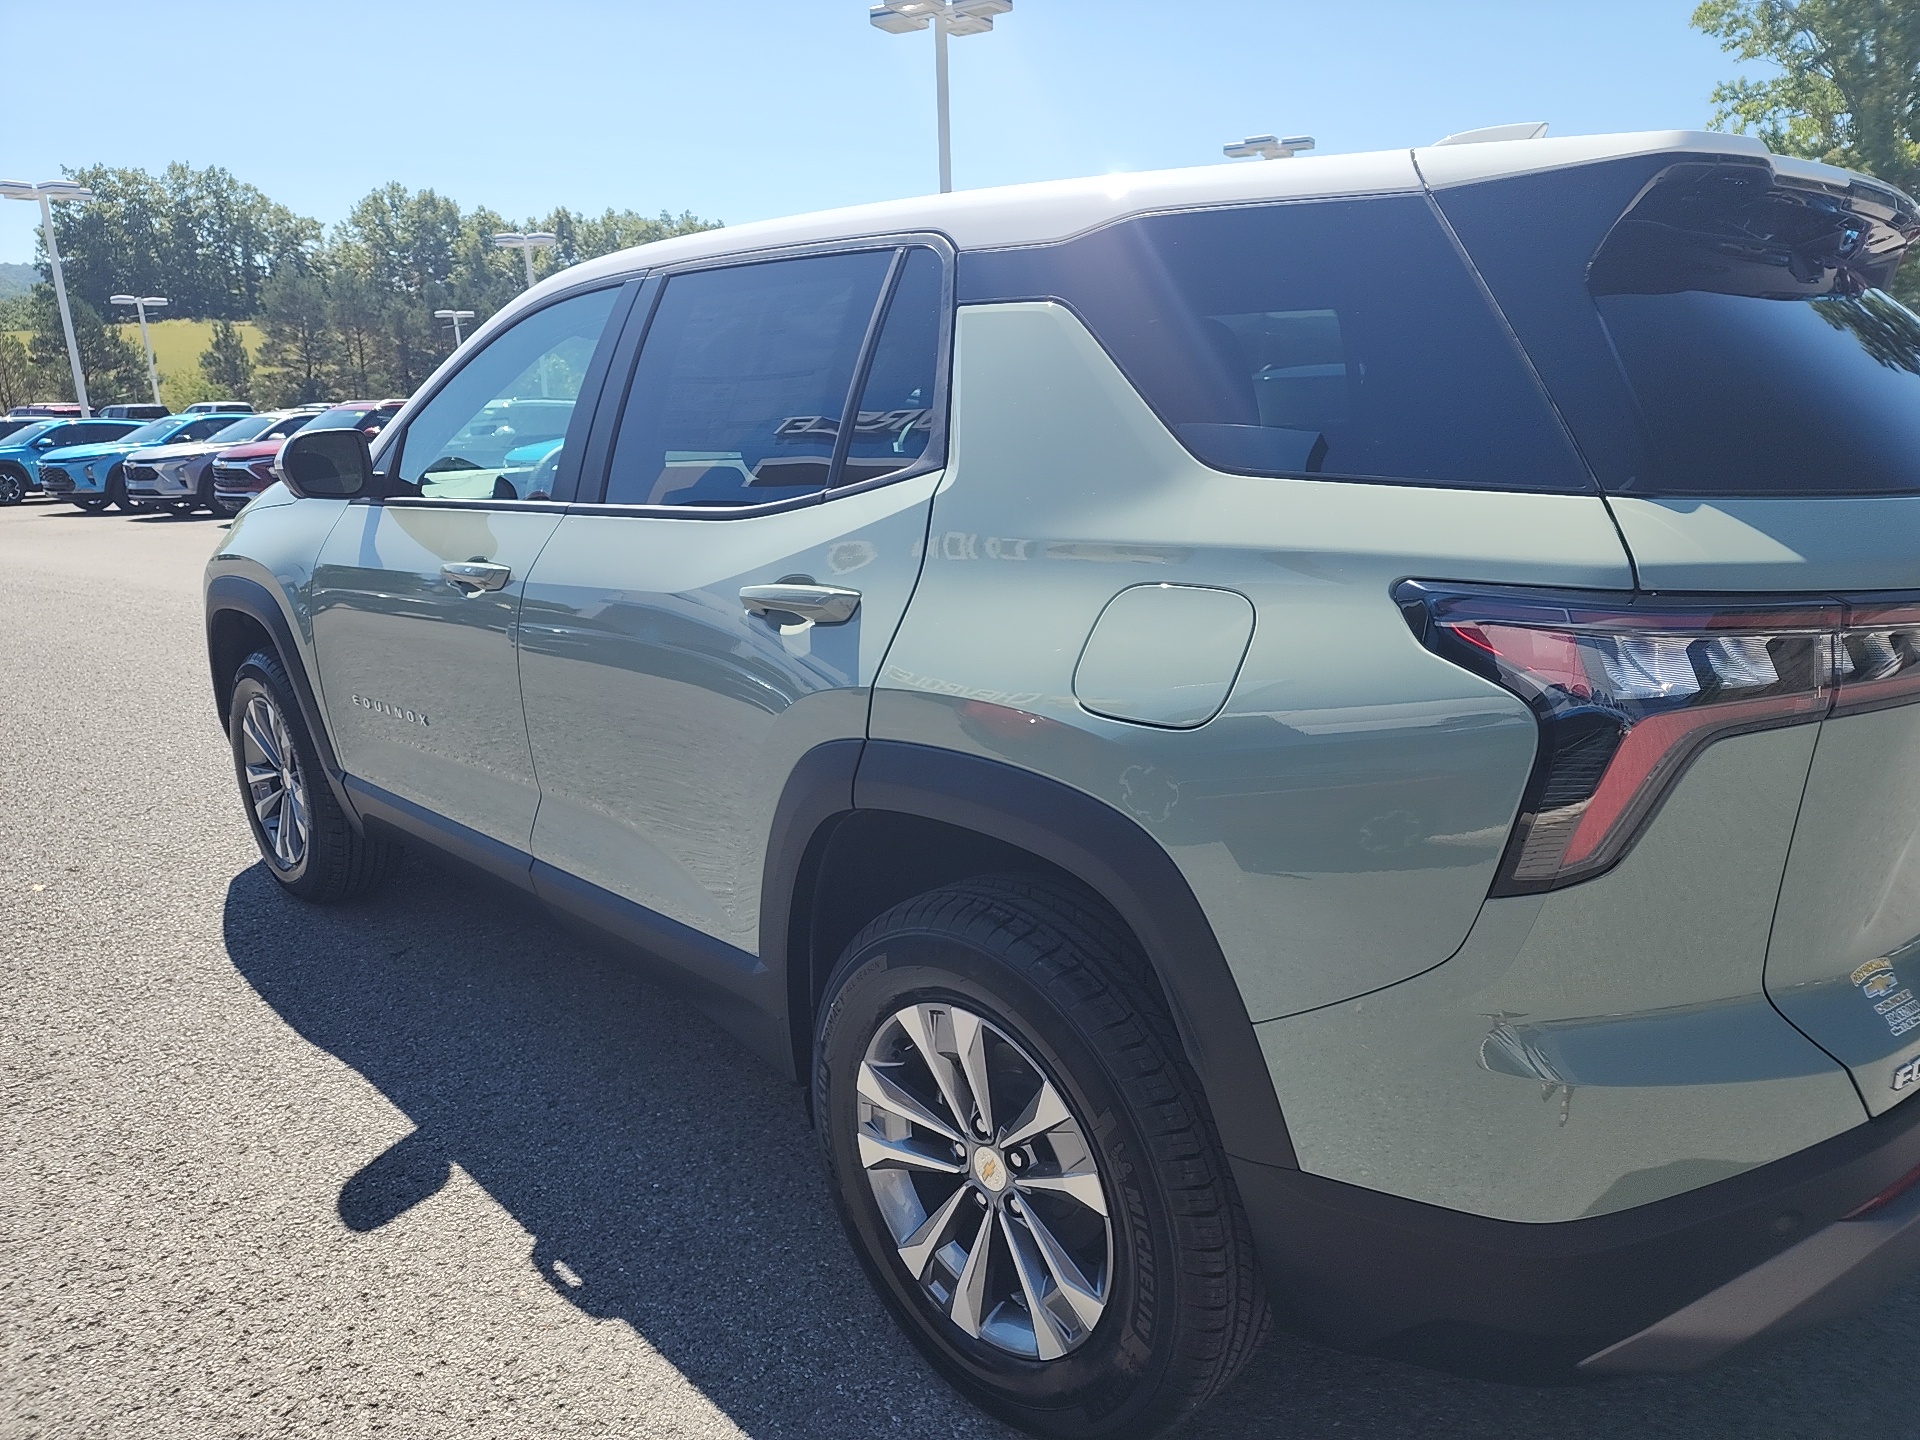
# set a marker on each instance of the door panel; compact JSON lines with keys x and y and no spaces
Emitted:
{"x":418,"y":676}
{"x":665,"y":718}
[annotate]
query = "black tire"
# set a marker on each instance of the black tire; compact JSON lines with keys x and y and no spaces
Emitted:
{"x":92,"y":507}
{"x":117,"y":491}
{"x":13,"y":487}
{"x":203,"y":496}
{"x":338,"y":861}
{"x":1067,"y":984}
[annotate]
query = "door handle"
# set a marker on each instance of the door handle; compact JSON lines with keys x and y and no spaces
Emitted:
{"x":822,"y":604}
{"x":475,"y":577}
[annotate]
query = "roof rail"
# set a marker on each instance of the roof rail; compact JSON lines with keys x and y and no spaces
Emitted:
{"x":1525,"y":130}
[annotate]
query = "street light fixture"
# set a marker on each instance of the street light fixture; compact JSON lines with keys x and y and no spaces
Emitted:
{"x":1268,"y":147}
{"x":456,"y":316}
{"x":141,"y":304}
{"x":526,"y":244}
{"x":46,"y":192}
{"x":947,"y":17}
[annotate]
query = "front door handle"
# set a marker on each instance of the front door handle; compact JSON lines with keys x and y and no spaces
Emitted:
{"x":822,"y":604}
{"x":475,"y":577}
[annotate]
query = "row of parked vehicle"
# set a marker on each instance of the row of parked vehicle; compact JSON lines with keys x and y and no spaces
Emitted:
{"x":213,"y":456}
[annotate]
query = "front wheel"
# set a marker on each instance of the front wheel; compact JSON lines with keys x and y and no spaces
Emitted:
{"x":1026,"y":1166}
{"x":309,"y":844}
{"x":13,"y":487}
{"x":117,"y":491}
{"x":92,"y":507}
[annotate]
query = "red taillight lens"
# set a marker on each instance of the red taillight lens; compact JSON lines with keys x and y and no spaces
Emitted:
{"x":1627,"y":691}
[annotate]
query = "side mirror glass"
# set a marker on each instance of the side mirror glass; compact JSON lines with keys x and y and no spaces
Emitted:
{"x":331,"y":464}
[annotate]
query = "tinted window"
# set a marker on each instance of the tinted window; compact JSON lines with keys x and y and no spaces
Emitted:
{"x":154,"y":432}
{"x":496,"y":429}
{"x":203,"y":429}
{"x":1328,"y":338}
{"x":282,"y":428}
{"x":1713,"y":331}
{"x":250,"y":428}
{"x":742,"y":381}
{"x":894,"y":420}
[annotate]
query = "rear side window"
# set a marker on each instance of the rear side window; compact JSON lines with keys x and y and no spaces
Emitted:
{"x":1340,"y":338}
{"x":894,"y":420}
{"x":742,"y":380}
{"x":1709,"y":328}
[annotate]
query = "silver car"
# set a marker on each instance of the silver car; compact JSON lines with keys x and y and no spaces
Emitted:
{"x":1334,"y":739}
{"x":180,"y":477}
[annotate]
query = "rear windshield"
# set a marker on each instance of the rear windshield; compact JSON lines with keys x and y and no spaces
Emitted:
{"x":1708,"y":328}
{"x":1344,"y":339}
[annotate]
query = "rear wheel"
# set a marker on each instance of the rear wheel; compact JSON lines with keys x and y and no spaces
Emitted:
{"x":309,"y":844}
{"x":1025,"y":1164}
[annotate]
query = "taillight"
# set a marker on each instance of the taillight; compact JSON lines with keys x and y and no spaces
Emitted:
{"x":1627,"y":690}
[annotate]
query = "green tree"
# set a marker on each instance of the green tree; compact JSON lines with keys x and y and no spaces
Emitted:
{"x":17,"y":380}
{"x":115,"y":370}
{"x":300,"y":353}
{"x":1848,"y":90}
{"x":226,"y":365}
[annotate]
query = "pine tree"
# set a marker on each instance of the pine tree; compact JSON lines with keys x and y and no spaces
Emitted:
{"x":226,"y":365}
{"x":115,"y":370}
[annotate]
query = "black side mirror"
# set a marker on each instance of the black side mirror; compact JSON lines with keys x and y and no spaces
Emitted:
{"x":327,"y":464}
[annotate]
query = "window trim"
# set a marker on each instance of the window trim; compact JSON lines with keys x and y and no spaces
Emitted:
{"x":612,"y":404}
{"x":387,"y":460}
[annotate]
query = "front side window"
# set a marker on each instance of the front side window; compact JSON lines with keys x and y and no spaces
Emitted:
{"x":204,"y":428}
{"x":253,"y":427}
{"x":742,"y":381}
{"x":1335,"y":338}
{"x":496,"y":429}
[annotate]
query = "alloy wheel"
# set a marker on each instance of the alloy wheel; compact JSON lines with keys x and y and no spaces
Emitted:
{"x":275,"y":786}
{"x":985,"y":1180}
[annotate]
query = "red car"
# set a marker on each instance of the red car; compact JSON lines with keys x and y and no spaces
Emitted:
{"x":243,"y":472}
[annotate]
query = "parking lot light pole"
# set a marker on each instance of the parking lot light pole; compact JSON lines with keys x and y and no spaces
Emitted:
{"x":526,"y":244}
{"x":46,"y":192}
{"x":456,"y":316}
{"x":141,"y":303}
{"x":947,"y":17}
{"x":1267,"y":147}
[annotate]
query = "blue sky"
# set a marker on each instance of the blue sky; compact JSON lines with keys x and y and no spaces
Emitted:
{"x":742,"y":109}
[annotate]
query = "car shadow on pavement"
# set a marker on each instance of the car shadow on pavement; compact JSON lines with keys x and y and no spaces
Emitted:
{"x":670,"y":1181}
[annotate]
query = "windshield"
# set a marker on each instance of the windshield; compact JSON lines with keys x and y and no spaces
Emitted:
{"x":153,"y":430}
{"x":28,"y":434}
{"x":245,"y":429}
{"x":341,"y":417}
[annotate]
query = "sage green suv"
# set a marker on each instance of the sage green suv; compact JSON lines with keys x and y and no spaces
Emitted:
{"x":1332,"y":739}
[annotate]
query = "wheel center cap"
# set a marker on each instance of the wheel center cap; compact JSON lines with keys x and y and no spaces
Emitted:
{"x":989,"y":1169}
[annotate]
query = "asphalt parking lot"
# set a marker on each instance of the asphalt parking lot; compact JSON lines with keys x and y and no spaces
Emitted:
{"x":427,"y":1167}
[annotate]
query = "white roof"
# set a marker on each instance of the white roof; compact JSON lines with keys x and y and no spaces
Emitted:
{"x":1055,"y":209}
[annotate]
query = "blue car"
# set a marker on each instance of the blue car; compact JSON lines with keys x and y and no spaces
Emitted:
{"x":93,"y":476}
{"x":22,"y":450}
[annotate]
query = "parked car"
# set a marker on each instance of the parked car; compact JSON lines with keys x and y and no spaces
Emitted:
{"x":133,"y":412}
{"x":48,"y":410}
{"x":94,"y":476}
{"x":243,"y":472}
{"x":22,"y":451}
{"x":1356,"y":728}
{"x":179,"y":477}
{"x":218,"y":407}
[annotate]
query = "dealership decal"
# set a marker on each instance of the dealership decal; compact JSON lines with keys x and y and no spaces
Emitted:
{"x":1892,"y":1001}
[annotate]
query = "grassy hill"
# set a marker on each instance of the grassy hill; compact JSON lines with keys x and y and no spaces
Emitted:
{"x":177,"y":345}
{"x":16,"y":279}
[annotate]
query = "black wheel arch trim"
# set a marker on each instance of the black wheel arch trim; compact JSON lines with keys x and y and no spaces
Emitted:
{"x":1115,"y":858}
{"x":246,"y":596}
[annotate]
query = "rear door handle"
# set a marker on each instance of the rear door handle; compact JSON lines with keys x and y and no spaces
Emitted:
{"x":822,"y":604}
{"x":474,"y":577}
